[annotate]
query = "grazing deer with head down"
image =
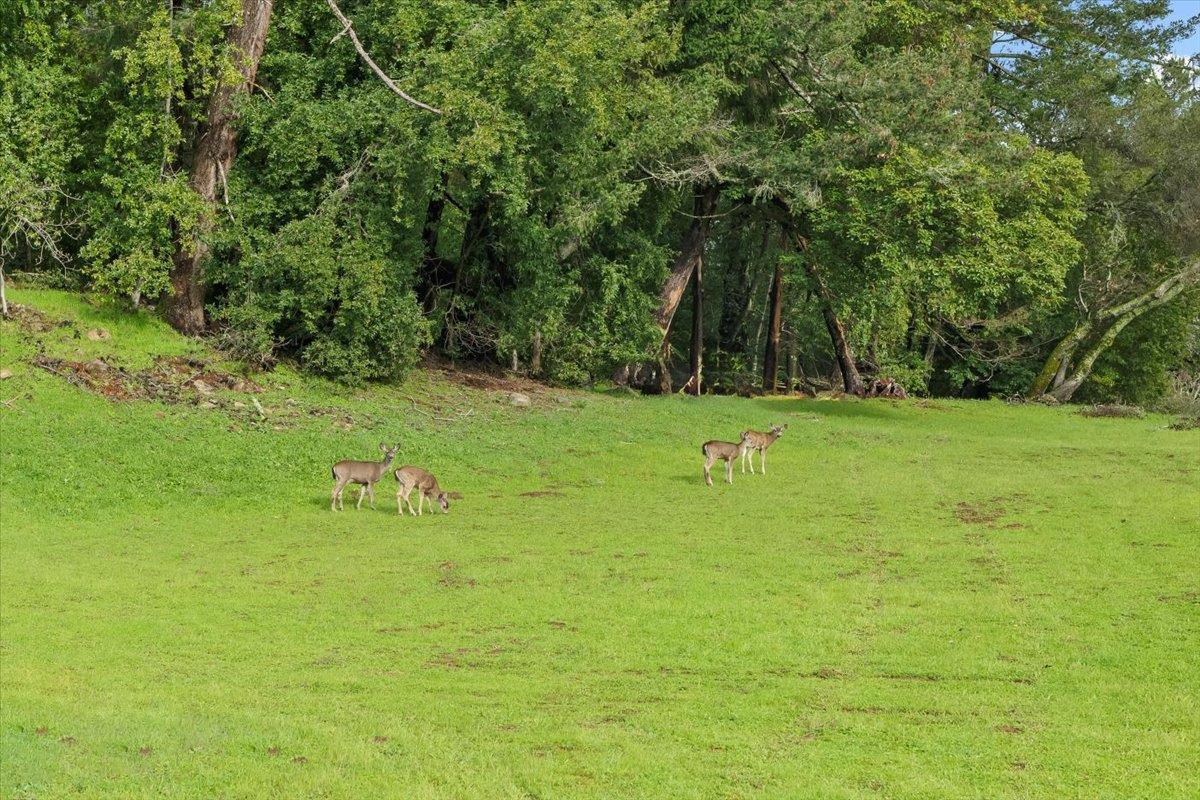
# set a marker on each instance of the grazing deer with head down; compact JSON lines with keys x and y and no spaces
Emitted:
{"x":760,"y":442}
{"x":365,"y":473}
{"x":725,"y":451}
{"x":410,"y":478}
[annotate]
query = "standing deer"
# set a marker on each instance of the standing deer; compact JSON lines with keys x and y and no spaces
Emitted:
{"x":410,"y":478}
{"x":365,"y":473}
{"x":727,"y":452}
{"x":760,"y":442}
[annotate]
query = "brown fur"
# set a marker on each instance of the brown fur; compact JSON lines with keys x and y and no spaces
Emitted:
{"x":365,"y":473}
{"x":725,"y":451}
{"x":409,"y":478}
{"x":757,"y":440}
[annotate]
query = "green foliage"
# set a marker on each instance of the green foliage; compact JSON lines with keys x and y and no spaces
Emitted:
{"x":334,"y":299}
{"x":934,"y":170}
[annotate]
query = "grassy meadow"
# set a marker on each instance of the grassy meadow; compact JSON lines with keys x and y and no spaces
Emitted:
{"x":923,"y":599}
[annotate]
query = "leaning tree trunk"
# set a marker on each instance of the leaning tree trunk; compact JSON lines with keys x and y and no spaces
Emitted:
{"x":211,"y":161}
{"x":774,"y":331}
{"x":697,"y":327}
{"x":1062,"y":374}
{"x":842,"y":351}
{"x":681,"y":272}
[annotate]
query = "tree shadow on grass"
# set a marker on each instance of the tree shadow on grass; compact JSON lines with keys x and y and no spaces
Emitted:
{"x":839,"y":409}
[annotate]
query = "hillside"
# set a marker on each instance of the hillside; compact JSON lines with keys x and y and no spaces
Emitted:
{"x":921,"y":599}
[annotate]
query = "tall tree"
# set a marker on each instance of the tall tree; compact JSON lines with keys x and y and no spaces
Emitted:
{"x":691,"y":251}
{"x":211,"y":160}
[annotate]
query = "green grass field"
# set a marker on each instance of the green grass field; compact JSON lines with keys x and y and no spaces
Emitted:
{"x":921,"y":599}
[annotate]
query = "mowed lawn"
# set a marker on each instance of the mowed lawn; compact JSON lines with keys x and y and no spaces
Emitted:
{"x":921,"y":599}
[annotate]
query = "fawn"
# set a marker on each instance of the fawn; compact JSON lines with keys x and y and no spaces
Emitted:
{"x":365,"y":473}
{"x":760,"y":442}
{"x":727,"y":452}
{"x":410,"y":478}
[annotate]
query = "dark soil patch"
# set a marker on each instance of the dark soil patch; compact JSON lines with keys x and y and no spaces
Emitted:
{"x":452,"y":579}
{"x":542,"y":493}
{"x":33,"y":321}
{"x":1013,"y":729}
{"x":487,"y":377}
{"x":380,"y":739}
{"x":987,"y":512}
{"x":1183,"y":597}
{"x":145,"y":752}
{"x":68,"y":740}
{"x":978,"y":513}
{"x":272,"y":750}
{"x":170,"y":380}
{"x":1113,"y":410}
{"x":42,"y":731}
{"x":299,"y":760}
{"x":827,"y":673}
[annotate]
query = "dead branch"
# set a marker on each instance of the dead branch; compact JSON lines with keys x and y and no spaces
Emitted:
{"x":348,"y":30}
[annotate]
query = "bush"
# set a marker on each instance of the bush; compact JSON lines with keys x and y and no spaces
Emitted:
{"x":334,"y":301}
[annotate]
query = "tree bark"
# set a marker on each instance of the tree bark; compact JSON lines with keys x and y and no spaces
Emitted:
{"x":690,"y":252}
{"x":1064,"y":385}
{"x":774,"y":331}
{"x":851,"y":380}
{"x":211,"y":160}
{"x":436,"y":272}
{"x":697,"y":327}
{"x":1061,"y":375}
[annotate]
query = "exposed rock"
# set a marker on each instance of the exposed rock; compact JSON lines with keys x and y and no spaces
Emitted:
{"x":518,"y":399}
{"x":5,"y":374}
{"x":98,"y":334}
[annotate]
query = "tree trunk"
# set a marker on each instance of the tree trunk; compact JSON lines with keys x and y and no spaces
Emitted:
{"x":697,"y":326}
{"x":774,"y":330}
{"x":1055,"y":369}
{"x":690,"y":252}
{"x":211,"y":161}
{"x":1054,"y":379}
{"x":842,"y":351}
{"x":436,"y":272}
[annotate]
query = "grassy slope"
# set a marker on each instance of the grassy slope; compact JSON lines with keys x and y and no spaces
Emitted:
{"x":948,"y":599}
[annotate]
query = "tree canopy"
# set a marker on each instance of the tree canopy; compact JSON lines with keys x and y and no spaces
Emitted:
{"x":969,"y":197}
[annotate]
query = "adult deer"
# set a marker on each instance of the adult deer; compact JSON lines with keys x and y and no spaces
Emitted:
{"x":365,"y":473}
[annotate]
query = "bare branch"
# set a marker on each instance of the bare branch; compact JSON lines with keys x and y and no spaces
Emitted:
{"x":348,"y":30}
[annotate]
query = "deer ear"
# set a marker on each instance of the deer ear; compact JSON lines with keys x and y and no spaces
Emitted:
{"x":383,"y":447}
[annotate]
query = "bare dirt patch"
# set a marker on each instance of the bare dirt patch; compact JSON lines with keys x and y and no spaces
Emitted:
{"x":542,"y":493}
{"x":452,"y":578}
{"x":33,"y":321}
{"x":1113,"y":410}
{"x":989,"y":512}
{"x":171,"y":380}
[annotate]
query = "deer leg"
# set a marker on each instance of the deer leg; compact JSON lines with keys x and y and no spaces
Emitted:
{"x":371,"y":493}
{"x":762,"y":461}
{"x":708,"y":462}
{"x":361,"y":491}
{"x":399,"y":503}
{"x":729,"y":471}
{"x":337,"y":493}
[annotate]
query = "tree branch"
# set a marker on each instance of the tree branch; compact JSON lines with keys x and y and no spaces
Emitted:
{"x":348,"y":30}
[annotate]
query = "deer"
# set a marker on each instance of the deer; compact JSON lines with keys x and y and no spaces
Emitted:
{"x":409,"y":478}
{"x":365,"y":473}
{"x":727,"y":452}
{"x":760,"y":442}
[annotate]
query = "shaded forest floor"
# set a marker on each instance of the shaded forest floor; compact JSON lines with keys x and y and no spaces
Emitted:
{"x":921,"y":599}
